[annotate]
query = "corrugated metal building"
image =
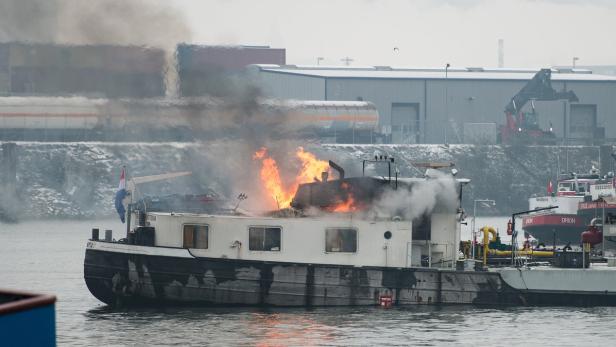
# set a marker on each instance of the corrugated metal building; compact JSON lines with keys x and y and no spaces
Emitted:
{"x":95,"y":70}
{"x":206,"y":69}
{"x":454,"y":106}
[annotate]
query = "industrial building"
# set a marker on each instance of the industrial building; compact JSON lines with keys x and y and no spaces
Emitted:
{"x":89,"y":70}
{"x":451,"y":105}
{"x":204,"y":69}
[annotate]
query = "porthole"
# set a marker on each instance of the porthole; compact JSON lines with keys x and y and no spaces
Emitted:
{"x":387,"y":235}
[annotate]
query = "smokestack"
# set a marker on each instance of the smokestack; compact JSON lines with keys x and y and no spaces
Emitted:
{"x":324,"y":176}
{"x":501,"y":53}
{"x":337,"y":168}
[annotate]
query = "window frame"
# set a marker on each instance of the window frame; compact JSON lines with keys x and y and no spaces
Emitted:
{"x":265,"y":227}
{"x":343,"y":228}
{"x":200,"y":225}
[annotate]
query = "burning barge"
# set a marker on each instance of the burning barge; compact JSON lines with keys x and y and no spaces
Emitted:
{"x":342,"y":242}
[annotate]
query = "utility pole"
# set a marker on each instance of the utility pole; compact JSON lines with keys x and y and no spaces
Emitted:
{"x":347,"y":61}
{"x":446,"y":100}
{"x":501,"y":53}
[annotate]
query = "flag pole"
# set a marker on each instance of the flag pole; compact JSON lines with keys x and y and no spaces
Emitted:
{"x":128,"y":208}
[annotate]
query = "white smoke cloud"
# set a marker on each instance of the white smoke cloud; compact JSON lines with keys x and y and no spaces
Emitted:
{"x":424,"y":197}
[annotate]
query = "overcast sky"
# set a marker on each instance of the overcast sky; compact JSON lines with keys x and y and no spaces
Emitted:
{"x":427,"y":32}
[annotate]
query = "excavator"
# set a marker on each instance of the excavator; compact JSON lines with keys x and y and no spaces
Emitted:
{"x":523,"y":127}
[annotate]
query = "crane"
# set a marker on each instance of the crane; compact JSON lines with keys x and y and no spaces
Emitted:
{"x":524,"y":127}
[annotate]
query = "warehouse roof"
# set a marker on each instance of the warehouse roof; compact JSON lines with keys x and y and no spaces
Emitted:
{"x":470,"y":73}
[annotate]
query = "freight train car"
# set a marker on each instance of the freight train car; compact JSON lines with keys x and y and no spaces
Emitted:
{"x":94,"y":70}
{"x":82,"y":119}
{"x":338,"y":121}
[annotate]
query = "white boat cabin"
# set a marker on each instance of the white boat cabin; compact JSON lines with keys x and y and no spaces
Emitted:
{"x":567,"y":204}
{"x":337,"y":238}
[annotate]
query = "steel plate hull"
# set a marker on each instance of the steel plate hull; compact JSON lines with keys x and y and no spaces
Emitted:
{"x":117,"y":278}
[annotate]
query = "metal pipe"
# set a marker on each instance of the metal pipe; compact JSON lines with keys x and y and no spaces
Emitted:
{"x":584,"y":255}
{"x":522,"y":252}
{"x":473,"y":233}
{"x":486,"y":241}
{"x":603,"y":232}
{"x":554,"y":243}
{"x":430,"y":253}
{"x":337,"y":168}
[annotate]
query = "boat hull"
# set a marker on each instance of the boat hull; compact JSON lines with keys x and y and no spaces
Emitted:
{"x":130,"y":277}
{"x":558,"y":286}
{"x":27,"y":319}
{"x":562,"y":228}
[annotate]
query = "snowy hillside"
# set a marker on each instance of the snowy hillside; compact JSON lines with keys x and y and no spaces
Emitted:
{"x":79,"y":180}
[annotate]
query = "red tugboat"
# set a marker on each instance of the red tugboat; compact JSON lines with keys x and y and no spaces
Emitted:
{"x":561,"y":225}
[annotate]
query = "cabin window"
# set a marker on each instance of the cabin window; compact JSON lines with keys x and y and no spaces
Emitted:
{"x":264,"y":238}
{"x":422,"y":228}
{"x":196,"y":236}
{"x":341,"y":240}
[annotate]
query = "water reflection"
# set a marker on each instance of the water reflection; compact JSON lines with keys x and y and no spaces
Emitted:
{"x":285,"y":329}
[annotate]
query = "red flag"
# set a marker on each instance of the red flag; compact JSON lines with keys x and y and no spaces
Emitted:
{"x":550,"y":187}
{"x":122,"y":184}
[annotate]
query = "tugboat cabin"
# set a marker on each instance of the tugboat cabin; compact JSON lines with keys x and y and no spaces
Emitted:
{"x":333,"y":239}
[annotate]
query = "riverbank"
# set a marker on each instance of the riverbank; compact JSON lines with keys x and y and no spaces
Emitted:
{"x":78,"y":179}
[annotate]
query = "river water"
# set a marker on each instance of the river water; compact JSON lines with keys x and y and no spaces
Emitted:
{"x":48,"y":257}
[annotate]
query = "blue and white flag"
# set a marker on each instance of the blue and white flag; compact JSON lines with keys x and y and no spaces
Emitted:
{"x":120,"y":195}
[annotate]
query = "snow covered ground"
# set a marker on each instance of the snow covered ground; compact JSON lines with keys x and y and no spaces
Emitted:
{"x":79,"y":179}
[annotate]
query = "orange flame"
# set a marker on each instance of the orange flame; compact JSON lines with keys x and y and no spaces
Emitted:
{"x":347,"y":205}
{"x":311,"y":168}
{"x":270,"y":176}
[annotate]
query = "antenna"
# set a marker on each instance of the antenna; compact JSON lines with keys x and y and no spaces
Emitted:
{"x":501,"y":53}
{"x":240,"y":198}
